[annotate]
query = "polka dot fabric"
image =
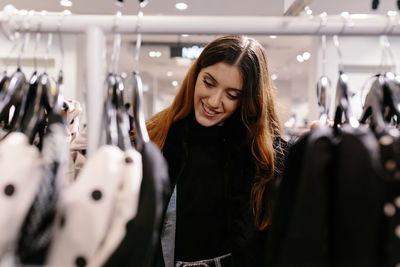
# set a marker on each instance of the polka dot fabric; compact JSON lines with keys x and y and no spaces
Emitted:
{"x":18,"y":161}
{"x":94,"y":210}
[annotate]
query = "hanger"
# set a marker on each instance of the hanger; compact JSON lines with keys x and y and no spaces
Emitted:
{"x":391,"y":92}
{"x":13,"y":94}
{"x":323,"y":87}
{"x":372,"y":110}
{"x":33,"y":83}
{"x":117,"y":129}
{"x":122,"y":116}
{"x":58,"y":98}
{"x":141,"y":134}
{"x":382,"y":101}
{"x":341,"y":97}
{"x":4,"y":78}
{"x":110,"y":106}
{"x":392,"y":82}
{"x":111,"y":128}
{"x":37,"y":102}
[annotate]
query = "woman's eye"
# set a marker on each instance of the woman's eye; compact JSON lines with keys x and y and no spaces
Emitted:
{"x":208,"y":84}
{"x":233,"y":96}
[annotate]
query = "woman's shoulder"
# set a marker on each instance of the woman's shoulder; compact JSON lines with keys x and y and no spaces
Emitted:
{"x":281,"y":147}
{"x":281,"y":150}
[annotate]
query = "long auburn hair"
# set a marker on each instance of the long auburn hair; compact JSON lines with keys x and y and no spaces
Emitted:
{"x":257,"y":111}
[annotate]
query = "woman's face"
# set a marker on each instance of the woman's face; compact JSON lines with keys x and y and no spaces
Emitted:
{"x":217,"y":93}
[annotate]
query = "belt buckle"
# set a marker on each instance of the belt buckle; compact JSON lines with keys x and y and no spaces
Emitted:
{"x":195,"y":263}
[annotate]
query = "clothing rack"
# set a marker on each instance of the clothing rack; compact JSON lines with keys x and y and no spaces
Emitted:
{"x":96,"y":26}
{"x":345,"y":24}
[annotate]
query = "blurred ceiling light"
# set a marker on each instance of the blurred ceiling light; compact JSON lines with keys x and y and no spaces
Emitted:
{"x":184,"y":62}
{"x":143,"y":3}
{"x":181,"y":6}
{"x":273,"y":36}
{"x":184,"y":35}
{"x":300,"y":58}
{"x":169,"y":73}
{"x":175,"y":83}
{"x":66,"y":3}
{"x":274,"y":76}
{"x":155,"y":54}
{"x":306,"y":55}
{"x":308,"y":10}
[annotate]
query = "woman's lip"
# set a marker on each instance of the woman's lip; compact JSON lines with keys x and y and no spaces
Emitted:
{"x":206,"y":113}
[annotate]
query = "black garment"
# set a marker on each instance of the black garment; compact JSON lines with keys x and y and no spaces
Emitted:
{"x":141,"y":243}
{"x":285,"y":199}
{"x":332,"y":189}
{"x":35,"y":235}
{"x":201,"y":198}
{"x":247,"y":241}
{"x":389,"y":142}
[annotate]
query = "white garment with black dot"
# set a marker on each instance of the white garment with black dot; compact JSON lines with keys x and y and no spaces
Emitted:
{"x":94,"y":210}
{"x":18,"y":162}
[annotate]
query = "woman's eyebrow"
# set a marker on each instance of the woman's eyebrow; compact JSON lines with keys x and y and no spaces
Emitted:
{"x":212,"y":78}
{"x":234,"y":89}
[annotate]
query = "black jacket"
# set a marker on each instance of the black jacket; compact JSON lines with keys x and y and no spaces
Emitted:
{"x":248,"y":243}
{"x":329,"y":208}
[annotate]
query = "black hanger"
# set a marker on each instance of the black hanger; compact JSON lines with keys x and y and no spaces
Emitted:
{"x":342,"y":108}
{"x":15,"y":93}
{"x":110,"y":111}
{"x":122,"y":115}
{"x":323,"y":88}
{"x":374,"y":105}
{"x":117,"y":130}
{"x":34,"y":115}
{"x":391,"y":96}
{"x":4,"y":81}
{"x":4,"y":78}
{"x":20,"y":111}
{"x":12,"y":95}
{"x":141,"y":133}
{"x":58,"y":96}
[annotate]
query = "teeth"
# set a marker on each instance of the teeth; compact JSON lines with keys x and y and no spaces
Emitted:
{"x":209,"y":111}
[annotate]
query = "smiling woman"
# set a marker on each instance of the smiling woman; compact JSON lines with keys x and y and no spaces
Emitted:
{"x":221,"y":139}
{"x":216,"y":96}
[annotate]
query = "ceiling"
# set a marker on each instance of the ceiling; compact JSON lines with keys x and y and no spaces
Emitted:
{"x":282,"y":51}
{"x":203,"y":7}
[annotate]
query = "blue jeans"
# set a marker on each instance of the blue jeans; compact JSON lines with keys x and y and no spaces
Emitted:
{"x":168,"y":232}
{"x":168,"y":240}
{"x":204,"y":263}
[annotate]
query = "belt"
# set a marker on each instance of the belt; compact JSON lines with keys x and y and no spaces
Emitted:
{"x":221,"y":261}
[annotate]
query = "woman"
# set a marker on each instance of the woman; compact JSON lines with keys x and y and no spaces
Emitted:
{"x":221,"y":139}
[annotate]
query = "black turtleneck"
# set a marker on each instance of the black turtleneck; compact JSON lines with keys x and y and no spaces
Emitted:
{"x":202,"y":205}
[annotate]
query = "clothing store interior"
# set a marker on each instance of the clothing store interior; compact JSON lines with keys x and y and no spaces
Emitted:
{"x":137,"y":142}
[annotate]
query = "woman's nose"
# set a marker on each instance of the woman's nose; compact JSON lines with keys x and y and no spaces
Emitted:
{"x":215,"y":99}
